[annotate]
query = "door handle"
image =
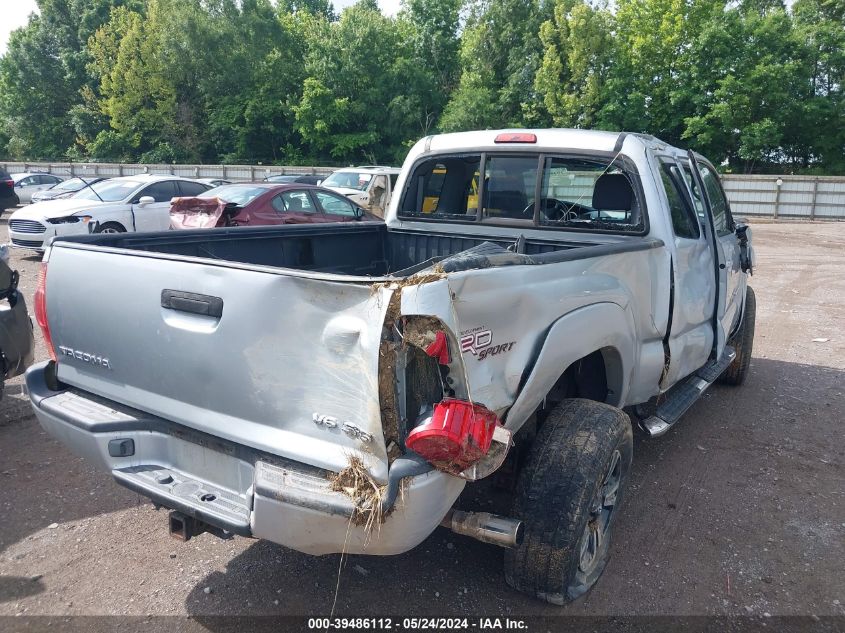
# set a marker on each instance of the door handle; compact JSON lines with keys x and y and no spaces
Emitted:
{"x":192,"y":303}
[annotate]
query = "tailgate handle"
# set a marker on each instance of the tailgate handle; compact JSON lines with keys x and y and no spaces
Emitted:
{"x":192,"y":302}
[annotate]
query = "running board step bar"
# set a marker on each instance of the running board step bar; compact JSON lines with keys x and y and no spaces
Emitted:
{"x":683,"y":395}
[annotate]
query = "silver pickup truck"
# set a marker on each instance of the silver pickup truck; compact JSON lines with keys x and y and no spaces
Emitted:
{"x":532,"y":295}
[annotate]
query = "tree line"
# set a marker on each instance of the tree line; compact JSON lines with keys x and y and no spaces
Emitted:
{"x":751,"y":84}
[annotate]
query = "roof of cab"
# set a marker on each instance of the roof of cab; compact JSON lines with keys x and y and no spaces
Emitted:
{"x":549,"y":138}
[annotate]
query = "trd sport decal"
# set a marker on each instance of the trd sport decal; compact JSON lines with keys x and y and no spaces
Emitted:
{"x":479,"y":343}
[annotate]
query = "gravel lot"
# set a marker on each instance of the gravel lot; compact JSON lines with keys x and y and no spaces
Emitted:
{"x":739,"y":510}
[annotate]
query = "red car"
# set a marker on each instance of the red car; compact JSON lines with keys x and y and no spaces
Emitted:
{"x":257,"y":203}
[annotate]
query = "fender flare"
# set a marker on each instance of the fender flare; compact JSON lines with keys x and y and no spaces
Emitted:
{"x":604,"y":327}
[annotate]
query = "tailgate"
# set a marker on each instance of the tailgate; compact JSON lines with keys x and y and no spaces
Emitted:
{"x":283,"y":363}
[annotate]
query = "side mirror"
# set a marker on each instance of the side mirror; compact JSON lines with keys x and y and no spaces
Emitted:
{"x":145,"y":200}
{"x":359,"y":213}
{"x":746,"y":257}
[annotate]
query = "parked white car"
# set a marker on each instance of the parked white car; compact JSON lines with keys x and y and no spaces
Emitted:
{"x":117,"y":205}
{"x":64,"y":189}
{"x":27,"y":184}
{"x":214,"y":182}
{"x":371,"y":186}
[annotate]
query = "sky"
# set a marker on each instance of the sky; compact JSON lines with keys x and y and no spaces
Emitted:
{"x":15,"y":13}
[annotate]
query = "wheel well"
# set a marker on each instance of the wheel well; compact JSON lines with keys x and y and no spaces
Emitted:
{"x":111,"y":223}
{"x":596,"y":376}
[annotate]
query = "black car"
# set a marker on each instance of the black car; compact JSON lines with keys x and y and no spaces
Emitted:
{"x":16,"y":339}
{"x":8,"y":197}
{"x":304,"y":179}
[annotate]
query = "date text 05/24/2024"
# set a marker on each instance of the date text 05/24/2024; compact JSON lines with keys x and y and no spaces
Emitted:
{"x":418,"y":624}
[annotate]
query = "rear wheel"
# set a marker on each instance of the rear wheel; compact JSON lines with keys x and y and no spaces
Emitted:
{"x":110,"y":227}
{"x":742,"y":342}
{"x":568,"y":496}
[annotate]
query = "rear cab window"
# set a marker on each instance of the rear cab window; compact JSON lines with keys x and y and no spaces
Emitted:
{"x":540,"y":190}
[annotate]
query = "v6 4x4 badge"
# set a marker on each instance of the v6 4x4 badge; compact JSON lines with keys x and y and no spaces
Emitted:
{"x":479,"y":343}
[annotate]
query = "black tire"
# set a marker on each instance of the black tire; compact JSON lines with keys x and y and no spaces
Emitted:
{"x":110,"y":227}
{"x":560,"y":497}
{"x":743,"y":342}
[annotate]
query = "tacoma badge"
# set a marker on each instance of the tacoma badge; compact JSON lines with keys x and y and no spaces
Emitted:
{"x":85,"y":357}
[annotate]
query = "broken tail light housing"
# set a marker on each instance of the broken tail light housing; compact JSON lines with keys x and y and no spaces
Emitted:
{"x":457,"y":435}
{"x":439,"y":348}
{"x":40,"y":300}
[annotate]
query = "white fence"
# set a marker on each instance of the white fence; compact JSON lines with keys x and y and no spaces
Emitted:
{"x":227,"y":172}
{"x":801,"y":197}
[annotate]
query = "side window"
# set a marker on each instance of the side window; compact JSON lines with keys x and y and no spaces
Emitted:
{"x":721,"y":214}
{"x":160,"y":191}
{"x":334,"y":204}
{"x":28,"y":181}
{"x":293,"y":202}
{"x":697,"y":202}
{"x":191,"y":188}
{"x":378,"y":182}
{"x":683,"y":222}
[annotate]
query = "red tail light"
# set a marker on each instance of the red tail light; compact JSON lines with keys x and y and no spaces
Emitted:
{"x":457,"y":435}
{"x":41,"y":308}
{"x":9,"y":182}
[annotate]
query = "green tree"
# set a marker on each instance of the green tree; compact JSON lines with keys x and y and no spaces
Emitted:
{"x":137,"y":97}
{"x":500,"y":54}
{"x":579,"y":52}
{"x":347,"y":110}
{"x":35,"y":95}
{"x":747,"y":109}
{"x":431,"y":65}
{"x":819,"y":25}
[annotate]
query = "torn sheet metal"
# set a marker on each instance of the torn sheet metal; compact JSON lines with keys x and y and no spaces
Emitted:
{"x":196,"y":213}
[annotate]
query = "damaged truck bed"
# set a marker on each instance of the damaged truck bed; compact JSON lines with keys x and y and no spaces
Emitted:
{"x":335,"y":387}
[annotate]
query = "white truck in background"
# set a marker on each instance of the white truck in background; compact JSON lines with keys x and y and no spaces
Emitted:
{"x":371,"y":186}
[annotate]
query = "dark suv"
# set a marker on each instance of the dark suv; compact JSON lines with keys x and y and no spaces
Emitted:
{"x":16,"y":341}
{"x":8,"y":197}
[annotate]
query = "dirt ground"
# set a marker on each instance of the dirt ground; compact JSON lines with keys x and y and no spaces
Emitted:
{"x":738,"y":510}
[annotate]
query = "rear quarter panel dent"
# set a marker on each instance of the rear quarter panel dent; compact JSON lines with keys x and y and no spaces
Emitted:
{"x":568,"y":340}
{"x":536,"y":308}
